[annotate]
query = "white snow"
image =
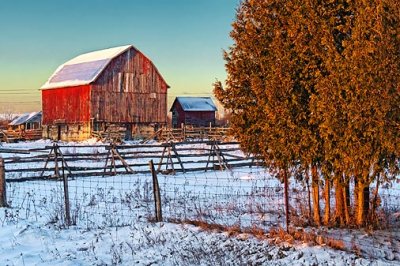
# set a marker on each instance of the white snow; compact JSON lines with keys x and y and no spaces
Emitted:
{"x":32,"y":233}
{"x":109,"y":53}
{"x":197,"y":103}
{"x":247,"y":177}
{"x":157,"y":244}
{"x":24,"y":118}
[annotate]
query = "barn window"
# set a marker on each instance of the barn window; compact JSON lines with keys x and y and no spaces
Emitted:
{"x":153,"y":95}
{"x":121,"y":81}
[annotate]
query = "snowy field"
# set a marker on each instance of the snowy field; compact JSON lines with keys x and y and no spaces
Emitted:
{"x":111,"y":222}
{"x":157,"y":244}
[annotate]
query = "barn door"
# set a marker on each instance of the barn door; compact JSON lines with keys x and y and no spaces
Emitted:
{"x":175,"y":117}
{"x":58,"y":132}
{"x":128,"y":132}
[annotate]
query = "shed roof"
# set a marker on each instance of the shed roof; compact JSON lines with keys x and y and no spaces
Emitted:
{"x":83,"y":69}
{"x":27,"y":118}
{"x":196,"y":103}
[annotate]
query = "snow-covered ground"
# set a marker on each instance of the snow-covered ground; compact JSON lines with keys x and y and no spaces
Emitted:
{"x":110,"y":217}
{"x":157,"y":244}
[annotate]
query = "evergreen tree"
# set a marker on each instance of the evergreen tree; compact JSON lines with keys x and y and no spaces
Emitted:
{"x":314,"y":85}
{"x":272,"y":71}
{"x":358,"y":103}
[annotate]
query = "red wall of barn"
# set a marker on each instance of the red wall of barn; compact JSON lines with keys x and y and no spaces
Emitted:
{"x":70,"y":104}
{"x":196,"y":118}
{"x":200,"y":118}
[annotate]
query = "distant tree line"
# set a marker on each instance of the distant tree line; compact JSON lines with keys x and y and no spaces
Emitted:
{"x":314,"y":89}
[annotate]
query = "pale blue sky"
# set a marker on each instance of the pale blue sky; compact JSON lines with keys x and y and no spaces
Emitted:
{"x":184,"y":38}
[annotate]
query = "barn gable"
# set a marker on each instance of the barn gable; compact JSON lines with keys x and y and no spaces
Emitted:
{"x":84,"y":69}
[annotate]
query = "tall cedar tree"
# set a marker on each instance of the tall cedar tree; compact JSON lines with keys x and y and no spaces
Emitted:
{"x":272,"y":71}
{"x":336,"y":27}
{"x":316,"y":84}
{"x":358,"y":104}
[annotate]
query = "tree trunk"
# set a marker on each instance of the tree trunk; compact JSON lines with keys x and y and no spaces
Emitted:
{"x":308,"y":193}
{"x":327,"y":195}
{"x":339,"y":202}
{"x":315,"y":194}
{"x":375,"y":199}
{"x":355,"y":193}
{"x":347,"y":193}
{"x":346,"y":203}
{"x":362,"y":206}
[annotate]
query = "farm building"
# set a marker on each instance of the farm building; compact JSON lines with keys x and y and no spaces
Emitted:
{"x":103,"y":91}
{"x":195,"y":111}
{"x":25,"y":126}
{"x":26,"y":121}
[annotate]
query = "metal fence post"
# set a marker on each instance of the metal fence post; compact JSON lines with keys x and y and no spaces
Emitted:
{"x":3,"y":195}
{"x":156,"y":191}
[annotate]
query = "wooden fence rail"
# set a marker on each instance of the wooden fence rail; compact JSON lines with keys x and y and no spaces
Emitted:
{"x":188,"y":133}
{"x":113,"y":159}
{"x":16,"y":135}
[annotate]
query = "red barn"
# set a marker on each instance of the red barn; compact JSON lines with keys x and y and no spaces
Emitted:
{"x":195,"y":111}
{"x":112,"y":88}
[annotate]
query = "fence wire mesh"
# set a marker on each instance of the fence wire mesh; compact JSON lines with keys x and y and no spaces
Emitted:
{"x":244,"y":197}
{"x":38,"y":201}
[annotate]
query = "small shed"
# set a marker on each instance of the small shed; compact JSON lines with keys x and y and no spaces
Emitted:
{"x":27,"y":126}
{"x":27,"y":121}
{"x":195,"y":111}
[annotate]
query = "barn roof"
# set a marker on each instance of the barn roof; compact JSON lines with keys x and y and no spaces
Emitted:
{"x":83,"y":69}
{"x":196,"y":103}
{"x":27,"y":118}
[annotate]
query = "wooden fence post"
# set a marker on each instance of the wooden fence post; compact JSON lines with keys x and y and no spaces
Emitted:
{"x":56,"y":170}
{"x":3,"y":195}
{"x":66,"y":197}
{"x":156,"y":191}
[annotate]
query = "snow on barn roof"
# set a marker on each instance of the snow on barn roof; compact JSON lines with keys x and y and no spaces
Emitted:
{"x":26,"y":118}
{"x":83,"y":69}
{"x":196,"y":103}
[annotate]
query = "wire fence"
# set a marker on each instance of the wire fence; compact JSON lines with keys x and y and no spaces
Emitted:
{"x":243,"y":198}
{"x":110,"y":185}
{"x":208,"y":182}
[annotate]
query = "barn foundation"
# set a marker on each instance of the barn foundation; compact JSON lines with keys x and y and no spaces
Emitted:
{"x":103,"y":131}
{"x":66,"y":132}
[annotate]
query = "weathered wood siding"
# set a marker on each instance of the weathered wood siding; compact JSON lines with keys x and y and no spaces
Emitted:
{"x":195,"y":118}
{"x":69,"y":105}
{"x":130,"y":90}
{"x":200,"y":118}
